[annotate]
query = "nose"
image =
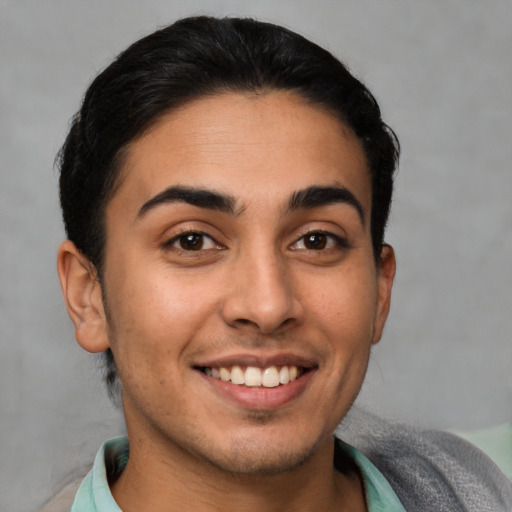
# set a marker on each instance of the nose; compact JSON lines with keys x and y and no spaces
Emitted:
{"x":261,"y":295}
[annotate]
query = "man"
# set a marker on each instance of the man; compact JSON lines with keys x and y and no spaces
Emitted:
{"x":225,"y":189}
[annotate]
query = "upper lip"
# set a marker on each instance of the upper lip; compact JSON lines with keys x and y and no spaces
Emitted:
{"x":258,"y":360}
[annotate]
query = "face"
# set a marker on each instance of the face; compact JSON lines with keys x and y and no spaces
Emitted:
{"x":242,"y":290}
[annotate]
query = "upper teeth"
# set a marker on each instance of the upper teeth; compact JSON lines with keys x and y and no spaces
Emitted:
{"x":252,"y":376}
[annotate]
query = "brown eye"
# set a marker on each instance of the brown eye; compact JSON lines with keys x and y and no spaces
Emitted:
{"x":191,"y":242}
{"x":320,"y":241}
{"x":315,"y":241}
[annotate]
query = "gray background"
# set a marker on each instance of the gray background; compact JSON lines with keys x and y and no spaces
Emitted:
{"x":442,"y":72}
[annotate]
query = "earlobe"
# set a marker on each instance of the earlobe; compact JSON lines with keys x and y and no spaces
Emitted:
{"x":82,"y":295}
{"x":385,"y":276}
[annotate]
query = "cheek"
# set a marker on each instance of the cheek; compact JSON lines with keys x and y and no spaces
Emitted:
{"x":345,"y":306}
{"x":161,"y":316}
{"x":345,"y":313}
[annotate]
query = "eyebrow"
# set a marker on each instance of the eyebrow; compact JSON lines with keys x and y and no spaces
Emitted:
{"x":200,"y":197}
{"x":313,"y":197}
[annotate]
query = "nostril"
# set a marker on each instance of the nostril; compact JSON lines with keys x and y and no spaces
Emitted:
{"x":287,"y":322}
{"x":243,"y":322}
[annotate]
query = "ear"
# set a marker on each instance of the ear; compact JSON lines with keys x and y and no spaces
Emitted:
{"x":385,"y":276}
{"x":82,"y":294}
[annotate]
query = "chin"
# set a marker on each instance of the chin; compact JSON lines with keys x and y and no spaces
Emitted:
{"x":262,"y":457}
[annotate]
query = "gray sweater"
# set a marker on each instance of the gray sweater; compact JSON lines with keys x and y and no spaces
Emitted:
{"x":430,"y":471}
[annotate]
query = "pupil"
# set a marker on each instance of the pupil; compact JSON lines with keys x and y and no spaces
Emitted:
{"x":192,"y":242}
{"x":316,"y":241}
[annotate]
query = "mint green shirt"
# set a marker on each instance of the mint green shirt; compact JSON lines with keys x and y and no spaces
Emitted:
{"x":94,"y":493}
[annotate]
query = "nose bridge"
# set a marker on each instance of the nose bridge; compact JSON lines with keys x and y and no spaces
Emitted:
{"x":262,"y":293}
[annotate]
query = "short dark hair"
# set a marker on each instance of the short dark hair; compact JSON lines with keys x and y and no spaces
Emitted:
{"x":193,"y":58}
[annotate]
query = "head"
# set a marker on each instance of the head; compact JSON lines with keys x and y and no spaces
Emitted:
{"x":195,"y":58}
{"x":193,"y":72}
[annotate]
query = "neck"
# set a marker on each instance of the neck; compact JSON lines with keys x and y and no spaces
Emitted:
{"x":178,"y":481}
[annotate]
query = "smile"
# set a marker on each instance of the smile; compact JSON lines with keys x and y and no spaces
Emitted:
{"x":253,"y":376}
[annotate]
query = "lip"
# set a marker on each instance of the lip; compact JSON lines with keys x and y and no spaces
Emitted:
{"x":259,"y":398}
{"x":258,"y":360}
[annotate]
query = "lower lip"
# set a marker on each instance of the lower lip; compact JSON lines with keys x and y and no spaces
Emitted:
{"x":261,"y":398}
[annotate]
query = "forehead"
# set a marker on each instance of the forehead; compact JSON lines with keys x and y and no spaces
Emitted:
{"x":255,"y":147}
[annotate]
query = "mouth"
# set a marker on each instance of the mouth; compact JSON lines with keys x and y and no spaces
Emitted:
{"x":255,"y":376}
{"x":265,"y":381}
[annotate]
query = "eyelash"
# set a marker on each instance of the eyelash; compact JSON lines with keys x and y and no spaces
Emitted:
{"x":191,"y":233}
{"x":340,"y":242}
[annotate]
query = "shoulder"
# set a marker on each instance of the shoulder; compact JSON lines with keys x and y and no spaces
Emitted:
{"x":62,"y":501}
{"x":92,"y":486}
{"x":429,"y":470}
